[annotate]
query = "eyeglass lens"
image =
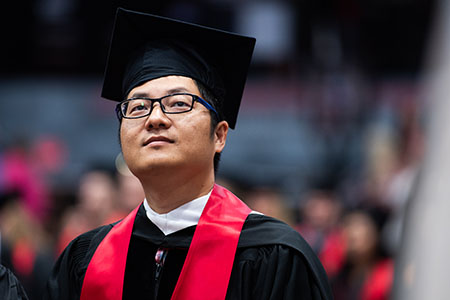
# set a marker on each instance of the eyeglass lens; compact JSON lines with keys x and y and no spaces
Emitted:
{"x":138,"y":107}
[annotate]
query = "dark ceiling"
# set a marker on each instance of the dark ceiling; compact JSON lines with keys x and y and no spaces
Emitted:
{"x":381,"y":37}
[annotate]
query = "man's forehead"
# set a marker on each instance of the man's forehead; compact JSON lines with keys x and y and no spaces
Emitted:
{"x":165,"y":85}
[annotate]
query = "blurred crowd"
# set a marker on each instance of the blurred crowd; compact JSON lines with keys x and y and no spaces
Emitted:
{"x":38,"y":220}
{"x":361,"y":138}
{"x":352,"y":220}
{"x":352,"y":215}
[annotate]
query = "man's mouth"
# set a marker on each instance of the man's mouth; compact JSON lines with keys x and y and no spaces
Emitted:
{"x":157,"y":140}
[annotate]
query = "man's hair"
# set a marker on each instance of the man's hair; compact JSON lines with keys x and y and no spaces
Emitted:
{"x":215,"y":118}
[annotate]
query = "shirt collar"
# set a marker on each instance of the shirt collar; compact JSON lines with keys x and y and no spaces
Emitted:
{"x":180,"y":218}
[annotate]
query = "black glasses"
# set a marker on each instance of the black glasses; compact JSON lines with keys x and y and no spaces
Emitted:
{"x":177,"y":103}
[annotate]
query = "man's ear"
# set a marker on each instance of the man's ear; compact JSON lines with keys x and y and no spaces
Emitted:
{"x":220,"y":135}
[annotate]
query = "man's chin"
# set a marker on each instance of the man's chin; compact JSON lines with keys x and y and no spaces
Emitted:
{"x":153,"y":167}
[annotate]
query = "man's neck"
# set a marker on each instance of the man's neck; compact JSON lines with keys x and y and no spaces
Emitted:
{"x":165,"y":194}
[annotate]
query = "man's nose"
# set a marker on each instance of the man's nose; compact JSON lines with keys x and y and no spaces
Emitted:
{"x":157,"y":118}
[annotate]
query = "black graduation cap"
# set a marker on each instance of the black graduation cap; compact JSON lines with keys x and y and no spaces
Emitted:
{"x":145,"y":46}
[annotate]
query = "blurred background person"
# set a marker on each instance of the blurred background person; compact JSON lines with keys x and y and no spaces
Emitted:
{"x":270,"y":202}
{"x":368,"y":272}
{"x":320,"y":226}
{"x":95,"y":205}
{"x":130,"y":192}
{"x":25,"y":247}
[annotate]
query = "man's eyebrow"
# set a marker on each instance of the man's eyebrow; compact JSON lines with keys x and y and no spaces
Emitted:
{"x":138,"y":95}
{"x":177,"y":90}
{"x":168,"y":92}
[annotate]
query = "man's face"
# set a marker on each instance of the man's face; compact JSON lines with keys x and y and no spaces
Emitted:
{"x":162,"y":142}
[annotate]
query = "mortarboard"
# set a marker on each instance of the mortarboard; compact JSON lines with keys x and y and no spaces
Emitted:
{"x":145,"y":47}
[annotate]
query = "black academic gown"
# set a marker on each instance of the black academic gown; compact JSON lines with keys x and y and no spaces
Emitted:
{"x":272,"y":262}
{"x":10,"y":287}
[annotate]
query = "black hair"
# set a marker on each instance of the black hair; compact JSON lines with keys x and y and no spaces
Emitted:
{"x":215,"y":118}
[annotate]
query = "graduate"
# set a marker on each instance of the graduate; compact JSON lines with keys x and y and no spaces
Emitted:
{"x":178,"y":87}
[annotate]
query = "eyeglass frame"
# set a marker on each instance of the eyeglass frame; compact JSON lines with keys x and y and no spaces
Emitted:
{"x":195,"y":98}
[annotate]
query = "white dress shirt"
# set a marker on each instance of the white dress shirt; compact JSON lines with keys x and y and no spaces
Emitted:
{"x":181,"y":217}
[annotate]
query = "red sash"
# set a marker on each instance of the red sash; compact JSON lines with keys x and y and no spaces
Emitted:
{"x":106,"y":271}
{"x":213,"y":247}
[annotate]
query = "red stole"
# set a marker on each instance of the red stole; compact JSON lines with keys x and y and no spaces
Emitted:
{"x":213,"y":247}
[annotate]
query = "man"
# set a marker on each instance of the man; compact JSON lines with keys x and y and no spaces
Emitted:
{"x":190,"y":239}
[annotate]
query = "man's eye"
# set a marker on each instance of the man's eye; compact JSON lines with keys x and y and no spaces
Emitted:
{"x":138,"y":107}
{"x":180,"y":104}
